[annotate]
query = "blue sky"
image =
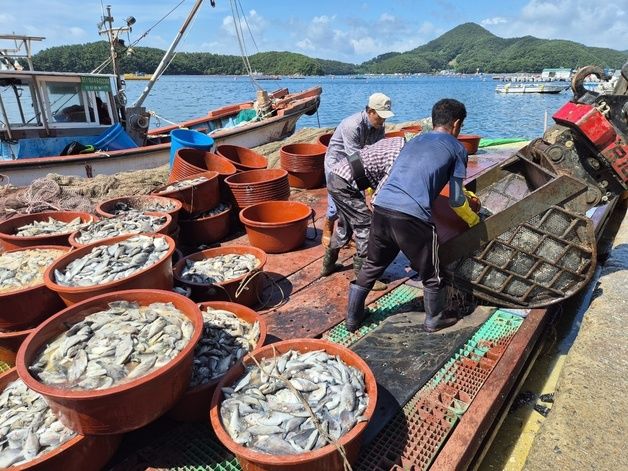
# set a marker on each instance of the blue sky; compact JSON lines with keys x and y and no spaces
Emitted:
{"x":346,"y":30}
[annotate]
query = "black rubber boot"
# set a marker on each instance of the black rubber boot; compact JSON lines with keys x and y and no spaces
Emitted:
{"x":355,"y":308}
{"x":329,"y":262}
{"x":357,"y":266}
{"x":436,"y":316}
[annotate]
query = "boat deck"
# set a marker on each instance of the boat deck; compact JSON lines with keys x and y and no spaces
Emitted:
{"x":440,"y":395}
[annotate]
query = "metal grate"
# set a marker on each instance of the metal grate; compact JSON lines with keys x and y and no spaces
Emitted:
{"x":404,"y":297}
{"x":533,"y":265}
{"x":414,"y":437}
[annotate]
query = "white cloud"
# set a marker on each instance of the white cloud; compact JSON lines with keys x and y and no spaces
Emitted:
{"x":493,"y":21}
{"x":601,"y":23}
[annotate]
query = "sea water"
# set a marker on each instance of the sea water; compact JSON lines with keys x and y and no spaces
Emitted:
{"x":490,"y":114}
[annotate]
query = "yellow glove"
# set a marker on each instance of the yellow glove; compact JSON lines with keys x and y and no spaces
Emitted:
{"x":473,"y":199}
{"x":465,"y":213}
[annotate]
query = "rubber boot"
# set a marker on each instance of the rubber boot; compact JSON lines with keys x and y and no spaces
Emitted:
{"x":357,"y":266}
{"x":328,"y":230}
{"x":355,"y":308}
{"x":329,"y":262}
{"x":436,"y":316}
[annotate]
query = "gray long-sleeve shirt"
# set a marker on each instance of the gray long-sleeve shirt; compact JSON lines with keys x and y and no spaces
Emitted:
{"x":352,"y":134}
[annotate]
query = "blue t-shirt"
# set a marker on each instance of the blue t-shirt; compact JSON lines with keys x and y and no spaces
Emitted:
{"x":424,"y":166}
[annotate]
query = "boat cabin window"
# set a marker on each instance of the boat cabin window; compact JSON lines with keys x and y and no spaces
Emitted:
{"x":70,"y":103}
{"x":17,"y":98}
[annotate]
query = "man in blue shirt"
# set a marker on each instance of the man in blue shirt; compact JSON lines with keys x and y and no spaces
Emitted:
{"x":352,"y":134}
{"x":402,"y":216}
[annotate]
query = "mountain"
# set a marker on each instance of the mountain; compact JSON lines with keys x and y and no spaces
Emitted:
{"x":469,"y":47}
{"x":466,"y":48}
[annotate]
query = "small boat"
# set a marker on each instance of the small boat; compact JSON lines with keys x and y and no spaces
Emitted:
{"x":531,"y":88}
{"x":137,"y":76}
{"x":58,"y":122}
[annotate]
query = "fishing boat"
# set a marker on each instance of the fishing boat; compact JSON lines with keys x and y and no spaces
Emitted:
{"x":82,"y":116}
{"x":531,"y":88}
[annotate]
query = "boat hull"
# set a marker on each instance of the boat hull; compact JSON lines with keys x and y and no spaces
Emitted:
{"x":22,"y":172}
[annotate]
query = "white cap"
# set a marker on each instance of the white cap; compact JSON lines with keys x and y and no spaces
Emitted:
{"x":381,"y":104}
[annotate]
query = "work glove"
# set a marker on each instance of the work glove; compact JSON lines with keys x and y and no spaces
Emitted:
{"x":473,"y":199}
{"x":465,"y":213}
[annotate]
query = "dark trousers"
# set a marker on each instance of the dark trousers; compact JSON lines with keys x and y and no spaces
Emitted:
{"x":354,"y":217}
{"x":391,"y":232}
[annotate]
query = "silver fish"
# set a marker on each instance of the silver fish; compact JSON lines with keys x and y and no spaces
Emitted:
{"x":113,"y":346}
{"x":130,"y":222}
{"x":19,"y":270}
{"x":50,"y":227}
{"x":225,"y":339}
{"x":28,"y":428}
{"x":106,"y":263}
{"x":181,"y":184}
{"x":219,"y":269}
{"x":263,"y":412}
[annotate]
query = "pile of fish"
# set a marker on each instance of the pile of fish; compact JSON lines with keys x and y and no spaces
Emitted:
{"x":221,"y":208}
{"x":114,"y":346}
{"x":131,"y":222}
{"x":107,"y":263}
{"x":218,"y":269}
{"x":19,"y":270}
{"x":260,"y":411}
{"x":28,"y":428}
{"x":181,"y":184}
{"x":226,"y":338}
{"x":148,"y":205}
{"x":50,"y":227}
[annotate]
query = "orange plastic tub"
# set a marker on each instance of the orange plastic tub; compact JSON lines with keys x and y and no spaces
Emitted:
{"x":27,"y":307}
{"x":471,"y":142}
{"x":276,"y":226}
{"x":156,"y":276}
{"x":256,"y":186}
{"x":10,"y":342}
{"x":322,"y":459}
{"x":195,"y":404}
{"x":106,"y":208}
{"x":206,"y":230}
{"x":243,"y":158}
{"x":80,"y":453}
{"x":245,"y":289}
{"x":121,"y":408}
{"x":10,"y":241}
{"x":324,"y":139}
{"x":196,"y":198}
{"x":188,"y":162}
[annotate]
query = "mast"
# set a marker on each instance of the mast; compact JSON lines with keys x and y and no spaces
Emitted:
{"x":165,"y":61}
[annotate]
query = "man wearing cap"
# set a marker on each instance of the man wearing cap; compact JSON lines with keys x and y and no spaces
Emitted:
{"x":402,"y":215}
{"x":348,"y":179}
{"x":352,"y":134}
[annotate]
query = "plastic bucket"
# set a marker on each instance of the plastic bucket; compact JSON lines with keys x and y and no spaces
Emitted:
{"x":195,"y":404}
{"x":325,"y":458}
{"x":187,"y":138}
{"x":122,"y":407}
{"x":114,"y":138}
{"x":78,"y":453}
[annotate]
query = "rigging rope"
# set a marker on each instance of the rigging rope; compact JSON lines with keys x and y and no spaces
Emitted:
{"x":238,"y":29}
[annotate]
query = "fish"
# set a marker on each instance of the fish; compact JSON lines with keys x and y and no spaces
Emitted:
{"x":50,"y":227}
{"x":106,"y":263}
{"x":262,"y":409}
{"x":23,"y":269}
{"x":143,"y":205}
{"x":113,"y":346}
{"x":28,"y":428}
{"x":225,"y":339}
{"x":221,"y":208}
{"x":218,"y":269}
{"x":129,"y":222}
{"x":181,"y":184}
